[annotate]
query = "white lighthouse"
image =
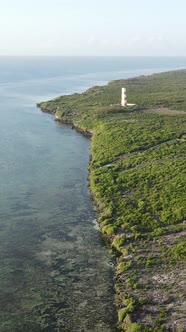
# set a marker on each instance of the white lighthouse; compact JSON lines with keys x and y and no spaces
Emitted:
{"x":123,"y":97}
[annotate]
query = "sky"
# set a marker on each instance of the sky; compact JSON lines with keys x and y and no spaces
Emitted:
{"x":93,"y":28}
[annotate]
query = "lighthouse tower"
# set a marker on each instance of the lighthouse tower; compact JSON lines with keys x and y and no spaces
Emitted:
{"x":123,"y":97}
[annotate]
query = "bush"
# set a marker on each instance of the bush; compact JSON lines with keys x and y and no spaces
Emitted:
{"x":132,"y":327}
{"x":119,"y":241}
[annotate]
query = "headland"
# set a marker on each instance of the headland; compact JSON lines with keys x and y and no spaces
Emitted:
{"x":138,"y":182}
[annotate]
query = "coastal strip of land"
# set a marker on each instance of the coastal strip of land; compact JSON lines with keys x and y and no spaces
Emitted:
{"x":138,"y":182}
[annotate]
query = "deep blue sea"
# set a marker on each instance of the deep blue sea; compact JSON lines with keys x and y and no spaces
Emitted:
{"x":55,"y":272}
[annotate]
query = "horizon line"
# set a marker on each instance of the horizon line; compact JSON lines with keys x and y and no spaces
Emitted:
{"x":93,"y":56}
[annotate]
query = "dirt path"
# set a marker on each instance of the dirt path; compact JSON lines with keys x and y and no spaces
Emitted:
{"x":164,"y":111}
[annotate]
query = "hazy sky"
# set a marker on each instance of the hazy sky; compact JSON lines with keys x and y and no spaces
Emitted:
{"x":93,"y":27}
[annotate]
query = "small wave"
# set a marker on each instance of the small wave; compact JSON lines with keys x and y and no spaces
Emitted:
{"x":96,"y":225}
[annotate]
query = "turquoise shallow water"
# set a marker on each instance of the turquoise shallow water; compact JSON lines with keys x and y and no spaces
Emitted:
{"x":55,"y":272}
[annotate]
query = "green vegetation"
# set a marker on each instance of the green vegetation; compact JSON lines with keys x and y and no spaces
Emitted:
{"x":138,"y":181}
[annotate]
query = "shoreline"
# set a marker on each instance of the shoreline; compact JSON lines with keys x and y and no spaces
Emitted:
{"x":126,"y":239}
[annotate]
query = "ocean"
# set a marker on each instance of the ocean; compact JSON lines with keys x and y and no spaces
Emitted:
{"x":55,"y":272}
